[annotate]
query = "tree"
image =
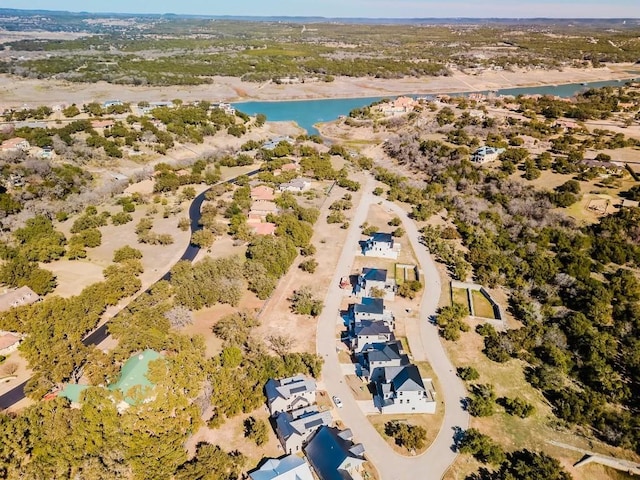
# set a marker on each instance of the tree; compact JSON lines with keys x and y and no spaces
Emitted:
{"x":179,"y":317}
{"x":309,"y":265}
{"x":256,"y":430}
{"x":304,"y":303}
{"x":409,"y":289}
{"x":202,"y":239}
{"x":516,"y":406}
{"x":468,"y":373}
{"x":409,"y":436}
{"x":276,"y":254}
{"x":481,"y":403}
{"x":235,"y":328}
{"x":126,"y":253}
{"x":481,"y":447}
{"x":281,"y":344}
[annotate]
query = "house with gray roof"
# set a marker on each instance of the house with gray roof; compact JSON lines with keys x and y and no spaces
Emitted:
{"x":375,"y":278}
{"x":486,"y":154}
{"x":381,"y":245}
{"x":290,"y":467}
{"x":333,"y":455}
{"x":297,"y":185}
{"x":402,"y":390}
{"x":371,"y":309}
{"x":378,"y":356}
{"x":292,"y":393}
{"x":369,"y":332}
{"x":17,"y":298}
{"x":294,"y":428}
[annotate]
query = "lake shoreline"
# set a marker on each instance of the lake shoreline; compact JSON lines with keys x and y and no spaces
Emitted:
{"x":17,"y":92}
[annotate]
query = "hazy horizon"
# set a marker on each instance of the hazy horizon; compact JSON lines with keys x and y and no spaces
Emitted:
{"x":560,"y":9}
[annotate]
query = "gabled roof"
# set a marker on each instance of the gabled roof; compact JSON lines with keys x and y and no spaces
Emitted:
{"x":374,"y":274}
{"x":290,"y":467}
{"x":327,"y":451}
{"x":8,"y":340}
{"x":408,"y":379}
{"x":384,"y":352}
{"x":369,"y":305}
{"x":288,"y":387}
{"x":302,"y":421}
{"x":371,"y":327}
{"x":380,"y":237}
{"x":18,"y":297}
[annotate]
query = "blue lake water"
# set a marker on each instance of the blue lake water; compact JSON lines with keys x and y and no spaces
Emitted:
{"x":307,"y":113}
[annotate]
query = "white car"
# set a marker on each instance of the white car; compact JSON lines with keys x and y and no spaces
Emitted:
{"x":337,"y":401}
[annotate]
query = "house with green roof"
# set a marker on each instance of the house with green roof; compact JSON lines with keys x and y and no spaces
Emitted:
{"x":133,"y":384}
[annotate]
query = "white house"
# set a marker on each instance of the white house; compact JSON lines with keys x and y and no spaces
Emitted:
{"x":297,"y":185}
{"x":367,"y":333}
{"x":290,"y":467}
{"x":17,"y":298}
{"x":377,"y":356}
{"x":371,"y":309}
{"x":375,"y":278}
{"x":402,"y":390}
{"x":486,"y":154}
{"x":294,"y":428}
{"x":381,"y":245}
{"x":287,"y":394}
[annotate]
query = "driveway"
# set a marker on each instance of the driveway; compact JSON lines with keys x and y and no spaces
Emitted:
{"x":433,"y":464}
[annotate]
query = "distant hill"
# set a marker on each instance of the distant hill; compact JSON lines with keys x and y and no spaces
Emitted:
{"x":603,"y":23}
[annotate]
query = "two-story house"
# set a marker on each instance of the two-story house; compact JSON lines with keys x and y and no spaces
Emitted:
{"x":377,"y":357}
{"x":369,"y":332}
{"x":287,"y":394}
{"x":375,"y":279}
{"x":294,"y":428}
{"x":371,"y":309}
{"x":333,"y":455}
{"x":381,"y":245}
{"x":402,"y":390}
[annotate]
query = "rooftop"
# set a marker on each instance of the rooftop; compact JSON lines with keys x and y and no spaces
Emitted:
{"x":374,"y":274}
{"x":369,"y":305}
{"x":382,"y":237}
{"x":329,"y":448}
{"x":18,"y":297}
{"x":291,"y":467}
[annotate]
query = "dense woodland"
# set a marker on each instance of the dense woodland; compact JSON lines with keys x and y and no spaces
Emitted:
{"x":168,"y":51}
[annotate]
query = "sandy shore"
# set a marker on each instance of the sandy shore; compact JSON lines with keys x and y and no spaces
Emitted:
{"x":18,"y":92}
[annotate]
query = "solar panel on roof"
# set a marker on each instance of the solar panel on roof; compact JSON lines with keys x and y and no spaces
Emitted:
{"x":298,"y":389}
{"x":315,"y":423}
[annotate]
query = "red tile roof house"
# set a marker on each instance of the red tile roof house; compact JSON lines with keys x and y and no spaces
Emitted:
{"x":14,"y":145}
{"x":102,"y":123}
{"x":262,"y":193}
{"x":264,"y":228}
{"x":9,"y":342}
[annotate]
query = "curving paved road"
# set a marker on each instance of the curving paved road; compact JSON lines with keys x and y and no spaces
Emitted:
{"x":433,"y":464}
{"x":16,"y":394}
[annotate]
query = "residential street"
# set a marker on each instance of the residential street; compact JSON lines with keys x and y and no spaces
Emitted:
{"x":436,"y":460}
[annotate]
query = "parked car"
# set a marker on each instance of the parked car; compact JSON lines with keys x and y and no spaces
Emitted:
{"x":337,"y":401}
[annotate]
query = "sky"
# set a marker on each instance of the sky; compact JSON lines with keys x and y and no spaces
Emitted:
{"x":352,"y":8}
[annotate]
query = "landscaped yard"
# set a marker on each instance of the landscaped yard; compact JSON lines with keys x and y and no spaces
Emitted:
{"x":481,"y":305}
{"x":431,"y":423}
{"x":459,"y":295}
{"x":404,"y":274}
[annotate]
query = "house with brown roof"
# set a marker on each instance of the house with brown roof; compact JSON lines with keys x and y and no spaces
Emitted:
{"x":9,"y":342}
{"x":17,"y":298}
{"x":265,"y":228}
{"x":262,"y":193}
{"x":264,"y":208}
{"x":102,"y":123}
{"x":15,"y":144}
